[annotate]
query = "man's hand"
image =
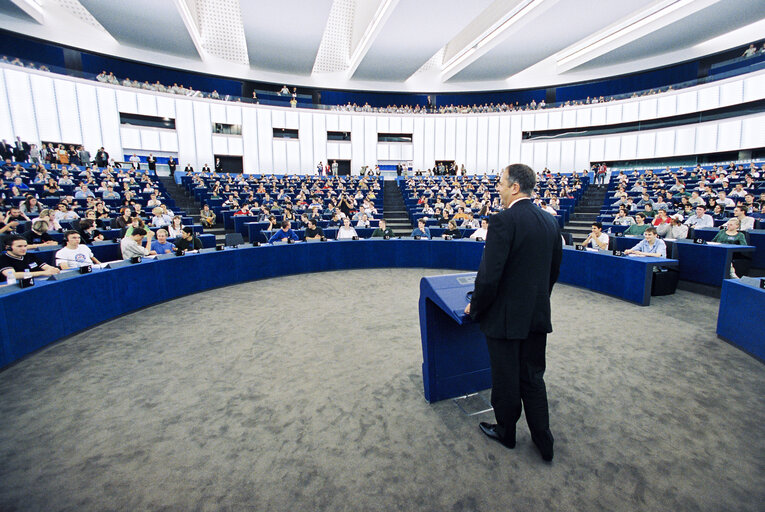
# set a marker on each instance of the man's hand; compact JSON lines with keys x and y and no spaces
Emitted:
{"x":467,"y":309}
{"x":50,"y":270}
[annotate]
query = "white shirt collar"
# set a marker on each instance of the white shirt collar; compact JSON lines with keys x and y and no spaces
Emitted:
{"x":519,"y":199}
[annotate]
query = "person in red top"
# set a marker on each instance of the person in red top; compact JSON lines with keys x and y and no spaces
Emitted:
{"x":661,"y":218}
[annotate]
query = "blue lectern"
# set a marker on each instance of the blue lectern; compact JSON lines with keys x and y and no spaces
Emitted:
{"x":740,"y":319}
{"x":455,"y":360}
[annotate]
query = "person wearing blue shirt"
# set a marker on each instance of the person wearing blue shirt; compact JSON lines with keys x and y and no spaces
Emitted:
{"x":83,"y":192}
{"x":421,"y":230}
{"x":161,"y":245}
{"x":651,"y":245}
{"x":284,"y":234}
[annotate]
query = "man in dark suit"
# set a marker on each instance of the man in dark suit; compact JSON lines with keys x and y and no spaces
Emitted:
{"x":511,"y":301}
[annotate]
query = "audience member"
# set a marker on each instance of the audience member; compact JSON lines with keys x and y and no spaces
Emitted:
{"x":651,"y":245}
{"x":188,"y":240}
{"x":131,"y":244}
{"x":346,"y":231}
{"x":74,"y":254}
{"x":382,"y":230}
{"x":597,"y":239}
{"x":421,"y":230}
{"x":313,"y":231}
{"x":701,"y":219}
{"x":16,"y":260}
{"x":161,"y":245}
{"x":284,"y":234}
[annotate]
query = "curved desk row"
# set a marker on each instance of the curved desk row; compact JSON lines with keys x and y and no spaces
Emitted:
{"x":82,"y":301}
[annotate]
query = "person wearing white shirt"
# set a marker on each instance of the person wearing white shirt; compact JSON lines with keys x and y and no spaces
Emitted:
{"x":135,"y":161}
{"x":597,"y":239}
{"x":722,"y":199}
{"x":701,"y":219}
{"x":74,"y":255}
{"x":546,"y":208}
{"x":363,"y":222}
{"x":481,"y":232}
{"x":745,"y":223}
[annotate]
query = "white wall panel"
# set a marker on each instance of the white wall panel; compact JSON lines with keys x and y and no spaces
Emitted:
{"x":515,"y":139}
{"x":554,"y":119}
{"x":131,"y":138}
{"x":278,"y":119}
{"x":648,"y":108}
{"x":394,"y":124}
{"x":582,"y":155}
{"x":89,"y":117}
{"x":46,"y":111}
{"x":709,"y":97}
{"x":279,"y":152}
{"x":729,"y":135}
{"x":234,"y":114}
{"x":407,"y":152}
{"x":439,"y":139}
{"x":68,"y":113}
{"x":460,"y":140}
{"x":598,"y":116}
{"x":471,"y":151}
{"x":319,"y":138}
{"x":346,"y":152}
{"x":203,"y":129}
{"x":395,"y":152}
{"x":382,"y":125}
{"x":418,"y":138}
{"x":613,"y":148}
{"x":540,"y":121}
{"x":6,"y":127}
{"x":686,"y":102}
{"x":540,"y":156}
{"x":567,"y":151}
{"x":382,"y":152}
{"x":357,"y":143}
{"x":250,"y":140}
{"x":527,"y":154}
{"x":450,"y":134}
{"x":370,"y":141}
{"x":685,"y":140}
{"x":428,"y":140}
{"x":150,"y":140}
{"x":568,"y":117}
{"x":754,"y":87}
{"x":614,"y":114}
{"x":492,"y":145}
{"x":553,"y":156}
{"x":706,"y":138}
{"x":646,"y":145}
{"x":235,"y":146}
{"x":292,"y":121}
{"x":307,"y":161}
{"x":630,"y":111}
{"x":21,"y":106}
{"x":597,"y":149}
{"x":667,"y":105}
{"x":582,"y":117}
{"x":333,"y":151}
{"x":265,"y":141}
{"x":482,"y":137}
{"x":127,"y":101}
{"x":527,"y":122}
{"x":628,"y":148}
{"x":147,"y":104}
{"x":110,"y":123}
{"x":731,"y":93}
{"x":753,"y":132}
{"x":220,"y":144}
{"x":293,"y":154}
{"x":407,"y":124}
{"x":165,"y":107}
{"x":218,"y":114}
{"x":168,"y":141}
{"x":503,"y":153}
{"x":665,"y":143}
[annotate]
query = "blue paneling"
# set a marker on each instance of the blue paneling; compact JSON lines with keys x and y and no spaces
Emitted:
{"x":28,"y":49}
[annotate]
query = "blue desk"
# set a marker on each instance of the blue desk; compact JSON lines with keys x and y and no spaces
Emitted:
{"x":740,"y":319}
{"x":708,"y":264}
{"x":756,"y":239}
{"x":454,"y":354}
{"x":626,"y":277}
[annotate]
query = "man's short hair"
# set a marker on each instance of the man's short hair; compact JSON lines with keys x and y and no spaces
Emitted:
{"x":71,"y":232}
{"x":640,"y":214}
{"x":285,"y":224}
{"x":598,"y":225}
{"x":650,"y":229}
{"x":311,"y":222}
{"x":138,"y":231}
{"x":701,"y":206}
{"x":188,"y":230}
{"x":13,"y":238}
{"x":523,"y":175}
{"x":421,"y":221}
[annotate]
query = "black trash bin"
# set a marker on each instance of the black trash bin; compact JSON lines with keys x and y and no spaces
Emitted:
{"x":664,"y":281}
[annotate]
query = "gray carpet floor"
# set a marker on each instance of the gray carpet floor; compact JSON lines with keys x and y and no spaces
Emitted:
{"x":305,"y":393}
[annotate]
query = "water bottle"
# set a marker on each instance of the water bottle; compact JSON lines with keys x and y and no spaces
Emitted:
{"x":27,"y":277}
{"x":11,"y":278}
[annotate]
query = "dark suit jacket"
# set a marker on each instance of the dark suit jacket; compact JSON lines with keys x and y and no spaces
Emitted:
{"x":520,"y":264}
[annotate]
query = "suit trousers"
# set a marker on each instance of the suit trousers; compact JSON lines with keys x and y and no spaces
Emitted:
{"x":517,"y":376}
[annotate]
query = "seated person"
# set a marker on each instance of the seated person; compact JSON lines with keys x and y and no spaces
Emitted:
{"x":675,"y":230}
{"x":639,"y":227}
{"x":284,"y":234}
{"x":480,"y":233}
{"x":421,"y":230}
{"x":346,"y":231}
{"x":187,"y":240}
{"x":661,"y":218}
{"x":74,"y":254}
{"x":313,"y":231}
{"x":88,"y":232}
{"x":16,"y":260}
{"x":38,"y":236}
{"x":160,"y":245}
{"x":159,"y":219}
{"x":382,"y":230}
{"x":745,"y":223}
{"x":622,"y":219}
{"x":207,"y":216}
{"x":363,"y":222}
{"x":597,"y":239}
{"x":701,"y":219}
{"x":651,"y":245}
{"x":731,"y":234}
{"x":131,"y":244}
{"x":452,"y":230}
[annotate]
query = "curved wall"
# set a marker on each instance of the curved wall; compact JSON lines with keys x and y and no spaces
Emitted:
{"x":42,"y":106}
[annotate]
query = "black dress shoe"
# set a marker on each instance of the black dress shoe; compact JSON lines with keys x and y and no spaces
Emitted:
{"x":544,"y":443}
{"x":490,"y":430}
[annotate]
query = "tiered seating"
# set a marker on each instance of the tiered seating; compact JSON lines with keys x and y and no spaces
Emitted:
{"x":478,"y":195}
{"x":274,"y":195}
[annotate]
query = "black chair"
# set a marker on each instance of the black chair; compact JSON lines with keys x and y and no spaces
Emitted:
{"x":568,"y":238}
{"x":233,"y":239}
